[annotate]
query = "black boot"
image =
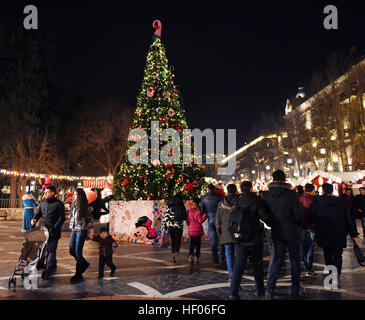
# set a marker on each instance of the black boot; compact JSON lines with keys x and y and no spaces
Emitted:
{"x":77,"y":278}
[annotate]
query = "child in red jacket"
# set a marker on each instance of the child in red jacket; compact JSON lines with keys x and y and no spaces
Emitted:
{"x":195,"y":230}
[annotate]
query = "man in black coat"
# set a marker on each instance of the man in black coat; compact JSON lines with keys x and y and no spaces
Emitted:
{"x":251,"y":209}
{"x":349,"y":200}
{"x":209,"y":205}
{"x":284,"y":205}
{"x":332,"y":223}
{"x":52,"y":211}
{"x":360,"y":207}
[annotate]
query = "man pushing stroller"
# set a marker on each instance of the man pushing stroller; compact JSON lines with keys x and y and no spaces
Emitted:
{"x":52,"y":211}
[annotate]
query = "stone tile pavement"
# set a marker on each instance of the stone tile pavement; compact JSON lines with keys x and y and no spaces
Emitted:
{"x":146,"y":272}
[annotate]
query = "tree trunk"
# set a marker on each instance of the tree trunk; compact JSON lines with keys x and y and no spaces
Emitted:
{"x":13,"y":191}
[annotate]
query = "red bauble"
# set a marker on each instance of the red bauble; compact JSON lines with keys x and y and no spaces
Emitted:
{"x":125,"y":182}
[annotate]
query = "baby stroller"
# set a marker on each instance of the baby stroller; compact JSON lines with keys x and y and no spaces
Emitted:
{"x":33,"y":256}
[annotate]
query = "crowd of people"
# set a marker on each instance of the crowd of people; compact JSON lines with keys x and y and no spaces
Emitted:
{"x":238,"y":224}
{"x":294,"y":220}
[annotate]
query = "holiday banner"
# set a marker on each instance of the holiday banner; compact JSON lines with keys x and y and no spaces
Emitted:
{"x":141,"y":221}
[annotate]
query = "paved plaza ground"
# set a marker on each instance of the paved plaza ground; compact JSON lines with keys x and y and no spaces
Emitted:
{"x":146,"y":272}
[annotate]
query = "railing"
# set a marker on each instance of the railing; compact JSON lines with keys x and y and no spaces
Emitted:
{"x":6,"y":203}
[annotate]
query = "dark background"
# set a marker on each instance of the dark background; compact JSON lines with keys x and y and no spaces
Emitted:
{"x":231,"y":62}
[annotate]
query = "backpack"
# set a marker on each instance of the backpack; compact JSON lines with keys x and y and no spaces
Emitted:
{"x":239,"y":226}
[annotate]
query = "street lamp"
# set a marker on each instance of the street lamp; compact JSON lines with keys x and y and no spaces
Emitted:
{"x":267,"y":167}
{"x":289,"y":161}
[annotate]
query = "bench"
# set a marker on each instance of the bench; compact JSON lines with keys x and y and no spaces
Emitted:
{"x":3,"y":214}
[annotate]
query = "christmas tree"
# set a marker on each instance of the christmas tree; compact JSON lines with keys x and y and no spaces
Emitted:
{"x":158,"y":100}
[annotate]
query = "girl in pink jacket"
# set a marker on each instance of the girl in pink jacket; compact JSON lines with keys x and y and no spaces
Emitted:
{"x":195,"y":230}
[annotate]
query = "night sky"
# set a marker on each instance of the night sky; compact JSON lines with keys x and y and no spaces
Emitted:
{"x":231,"y":63}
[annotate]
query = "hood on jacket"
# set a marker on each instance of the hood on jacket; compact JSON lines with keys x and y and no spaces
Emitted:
{"x":28,"y":197}
{"x":229,"y":199}
{"x":194,"y":209}
{"x":277,"y":188}
{"x":246,"y":199}
{"x":328,"y":200}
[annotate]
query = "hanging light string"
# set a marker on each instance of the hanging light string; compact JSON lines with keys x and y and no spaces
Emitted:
{"x":52,"y":176}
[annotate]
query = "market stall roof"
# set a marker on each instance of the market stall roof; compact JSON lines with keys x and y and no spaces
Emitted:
{"x":352,"y":176}
{"x":338,"y":177}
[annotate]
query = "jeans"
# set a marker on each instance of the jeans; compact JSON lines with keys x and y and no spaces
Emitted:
{"x":212,"y":231}
{"x":229,"y":249}
{"x":77,"y":241}
{"x":270,"y":245}
{"x":353,"y":219}
{"x":363,"y":224}
{"x":242,"y":253}
{"x":108,"y":260}
{"x":279,"y":256}
{"x":333,"y":256}
{"x":308,"y":247}
{"x":175,"y":235}
{"x":52,"y":244}
{"x":195,"y":243}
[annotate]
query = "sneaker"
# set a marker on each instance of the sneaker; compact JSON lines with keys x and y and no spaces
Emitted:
{"x":270,"y":295}
{"x":77,"y":279}
{"x":196,"y":260}
{"x":234,"y":297}
{"x":113,"y":271}
{"x":191,"y":261}
{"x":312,"y":273}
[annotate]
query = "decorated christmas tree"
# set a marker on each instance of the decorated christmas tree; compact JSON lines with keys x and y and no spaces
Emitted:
{"x":158,"y":100}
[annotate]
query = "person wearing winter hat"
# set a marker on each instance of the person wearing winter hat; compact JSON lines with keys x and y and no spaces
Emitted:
{"x":28,"y":204}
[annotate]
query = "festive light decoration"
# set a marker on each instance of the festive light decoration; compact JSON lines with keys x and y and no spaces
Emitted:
{"x":158,"y":100}
{"x":52,"y":176}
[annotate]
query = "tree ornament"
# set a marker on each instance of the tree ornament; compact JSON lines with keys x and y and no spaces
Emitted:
{"x":156,"y":162}
{"x":158,"y":27}
{"x":166,"y":94}
{"x":150,"y":92}
{"x":171,"y":113}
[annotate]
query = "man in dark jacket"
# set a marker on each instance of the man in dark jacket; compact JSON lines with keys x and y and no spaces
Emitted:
{"x":249,"y":240}
{"x":209,"y":205}
{"x":222,"y":223}
{"x":349,"y":200}
{"x":360,"y":207}
{"x":308,"y":243}
{"x":52,"y":211}
{"x":332,"y":223}
{"x":284,"y":205}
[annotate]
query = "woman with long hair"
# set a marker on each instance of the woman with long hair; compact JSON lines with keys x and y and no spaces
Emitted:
{"x":174,"y":217}
{"x":81,"y":222}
